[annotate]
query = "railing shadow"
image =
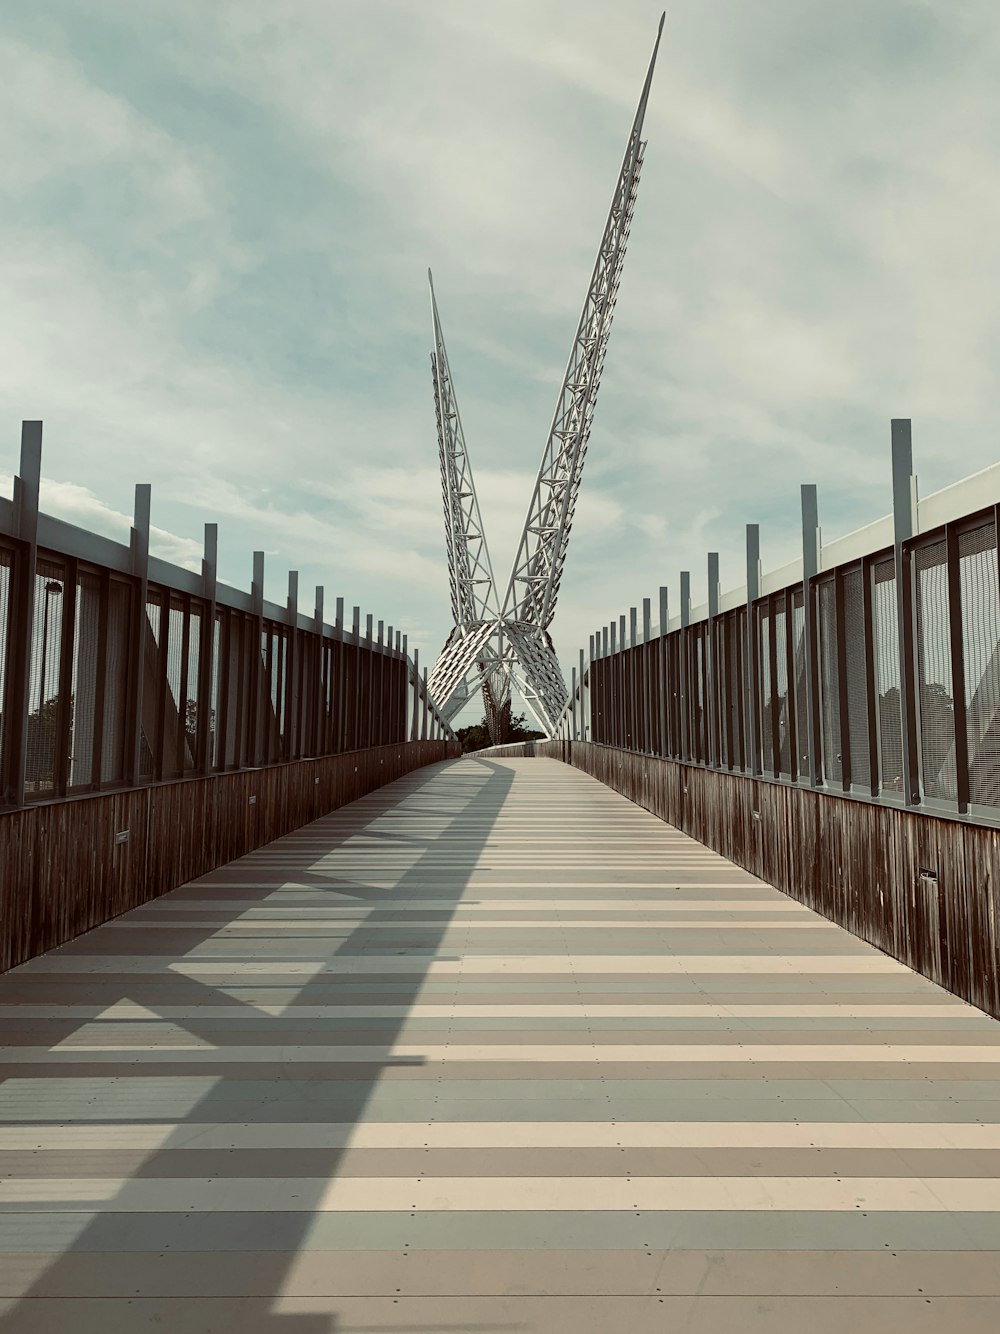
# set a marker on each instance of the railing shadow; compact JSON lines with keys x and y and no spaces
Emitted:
{"x":461,"y":799}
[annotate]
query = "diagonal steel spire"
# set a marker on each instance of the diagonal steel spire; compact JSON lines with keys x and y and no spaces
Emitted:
{"x":534,"y":580}
{"x":472,"y":649}
{"x":473,"y":593}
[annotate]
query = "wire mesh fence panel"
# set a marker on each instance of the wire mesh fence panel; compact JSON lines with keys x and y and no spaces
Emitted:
{"x":740,"y":687}
{"x":779,"y":692}
{"x":712,"y":683}
{"x":152,"y":687}
{"x":934,"y":681}
{"x":715,"y":697}
{"x":174,"y":687}
{"x":270,"y":737}
{"x":698,"y":730}
{"x":86,"y":682}
{"x":765,"y":700}
{"x":111,"y":688}
{"x":214,"y":729}
{"x":801,"y":695}
{"x":855,"y":633}
{"x":116,"y":691}
{"x":279,"y":685}
{"x":734,"y":756}
{"x":644,"y":711}
{"x":885,"y":628}
{"x":675,"y":693}
{"x":634,"y":700}
{"x":190,"y":693}
{"x":829,"y":686}
{"x":44,"y":734}
{"x":722,"y":691}
{"x":734,"y":752}
{"x":309,"y":700}
{"x":231,"y":699}
{"x":6,"y":572}
{"x":980,"y":594}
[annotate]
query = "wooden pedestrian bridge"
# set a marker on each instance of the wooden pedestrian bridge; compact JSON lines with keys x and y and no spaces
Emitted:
{"x":683,"y":1019}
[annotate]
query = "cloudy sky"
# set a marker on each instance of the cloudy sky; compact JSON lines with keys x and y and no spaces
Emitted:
{"x":216,"y":220}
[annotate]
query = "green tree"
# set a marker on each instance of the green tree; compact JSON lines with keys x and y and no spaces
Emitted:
{"x":42,"y":743}
{"x":477,"y":735}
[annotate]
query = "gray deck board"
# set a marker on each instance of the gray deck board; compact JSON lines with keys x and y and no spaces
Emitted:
{"x":492,"y":1049}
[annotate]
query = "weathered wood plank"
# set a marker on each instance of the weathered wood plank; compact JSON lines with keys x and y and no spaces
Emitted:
{"x":856,"y":863}
{"x":63,"y":872}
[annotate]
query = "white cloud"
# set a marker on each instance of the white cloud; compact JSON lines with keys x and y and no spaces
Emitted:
{"x":80,"y":506}
{"x":815,"y":249}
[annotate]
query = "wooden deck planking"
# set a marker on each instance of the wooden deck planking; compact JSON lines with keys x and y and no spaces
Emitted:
{"x":491,"y":1049}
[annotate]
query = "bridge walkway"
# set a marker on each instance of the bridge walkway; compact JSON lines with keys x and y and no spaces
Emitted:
{"x":492,"y":1049}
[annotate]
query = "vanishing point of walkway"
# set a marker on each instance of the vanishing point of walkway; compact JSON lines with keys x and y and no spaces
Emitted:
{"x":492,"y":1050}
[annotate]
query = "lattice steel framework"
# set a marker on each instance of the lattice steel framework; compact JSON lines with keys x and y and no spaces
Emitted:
{"x":494,"y":644}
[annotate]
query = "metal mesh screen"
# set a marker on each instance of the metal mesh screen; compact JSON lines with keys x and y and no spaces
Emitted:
{"x":111,"y":688}
{"x":740,"y":679}
{"x":213,"y":722}
{"x":829,"y":693}
{"x":116,"y":683}
{"x":43,"y":723}
{"x":176,"y":665}
{"x":857,"y":689}
{"x":765,"y":699}
{"x":191,"y":690}
{"x":231,"y":694}
{"x":274,"y":650}
{"x":885,"y":628}
{"x":6,"y":566}
{"x":698,"y":697}
{"x":977,"y":557}
{"x":279,"y":682}
{"x":737,"y":631}
{"x":725,"y":634}
{"x":934,"y":684}
{"x":151,"y":688}
{"x":85,"y":687}
{"x":799,"y":660}
{"x":780,"y":694}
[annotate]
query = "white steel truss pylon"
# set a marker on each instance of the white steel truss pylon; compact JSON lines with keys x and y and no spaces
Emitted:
{"x":494,"y":643}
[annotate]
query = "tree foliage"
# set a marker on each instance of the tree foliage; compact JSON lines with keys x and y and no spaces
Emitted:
{"x":477,"y":736}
